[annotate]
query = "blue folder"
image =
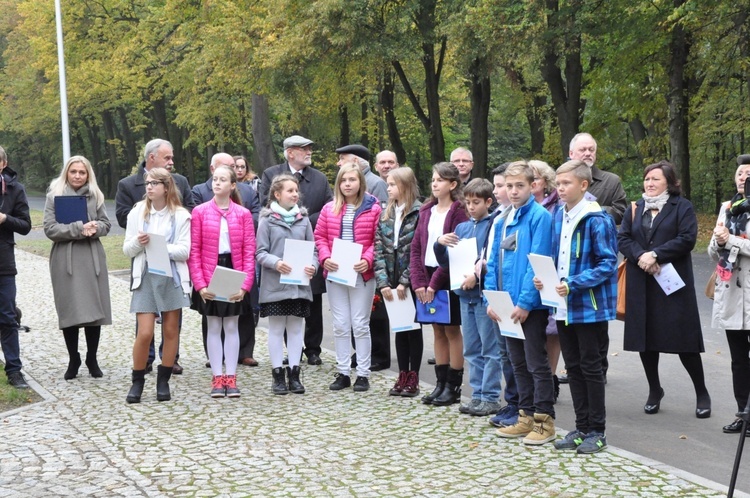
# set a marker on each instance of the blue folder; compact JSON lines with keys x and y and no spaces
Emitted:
{"x":438,"y":311}
{"x":71,"y":208}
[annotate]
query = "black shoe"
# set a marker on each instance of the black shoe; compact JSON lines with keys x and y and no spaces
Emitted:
{"x":735,"y":427}
{"x":342,"y":382}
{"x":285,"y":361}
{"x":652,"y":408}
{"x":441,"y":373}
{"x":149,"y":367}
{"x":134,"y":395}
{"x":563,"y":378}
{"x":93,"y":366}
{"x":314,"y":359}
{"x":208,"y":364}
{"x":377,"y":367}
{"x":556,"y":383}
{"x":295,"y":386}
{"x":73,"y":365}
{"x":162,"y":382}
{"x":279,"y":381}
{"x":176,"y":368}
{"x":452,"y":392}
{"x":431,"y":361}
{"x":17,"y":380}
{"x":362,"y":384}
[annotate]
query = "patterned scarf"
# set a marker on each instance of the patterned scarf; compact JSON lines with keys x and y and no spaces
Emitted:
{"x":736,"y":220}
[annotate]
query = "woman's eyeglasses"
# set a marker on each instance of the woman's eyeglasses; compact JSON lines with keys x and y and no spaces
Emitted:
{"x":153,"y":183}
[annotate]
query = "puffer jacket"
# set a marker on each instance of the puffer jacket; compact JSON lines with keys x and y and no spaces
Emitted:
{"x":204,"y":248}
{"x":329,"y":227}
{"x":392,"y":266}
{"x":16,"y":208}
{"x":272,"y":232}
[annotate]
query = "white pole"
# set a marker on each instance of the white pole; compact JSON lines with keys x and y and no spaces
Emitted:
{"x":63,"y":88}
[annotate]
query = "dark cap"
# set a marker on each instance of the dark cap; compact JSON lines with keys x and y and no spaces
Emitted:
{"x":297,"y":141}
{"x":356,"y":149}
{"x":743,"y":159}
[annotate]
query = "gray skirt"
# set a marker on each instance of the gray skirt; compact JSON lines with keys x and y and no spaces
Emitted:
{"x":157,"y":293}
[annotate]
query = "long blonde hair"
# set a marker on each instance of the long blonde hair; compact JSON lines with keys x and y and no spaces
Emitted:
{"x":57,"y":187}
{"x":408,"y":189}
{"x":173,"y":196}
{"x":338,"y":197}
{"x":235,"y":195}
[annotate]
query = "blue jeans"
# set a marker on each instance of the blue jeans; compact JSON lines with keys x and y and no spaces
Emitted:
{"x":511,"y":389}
{"x":8,"y":324}
{"x":481,"y":350}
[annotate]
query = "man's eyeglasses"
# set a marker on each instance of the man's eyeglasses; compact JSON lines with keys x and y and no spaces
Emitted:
{"x":153,"y":183}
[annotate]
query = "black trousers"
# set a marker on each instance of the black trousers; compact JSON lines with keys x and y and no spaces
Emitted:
{"x":380,"y":338}
{"x":739,"y":349}
{"x":314,"y":327}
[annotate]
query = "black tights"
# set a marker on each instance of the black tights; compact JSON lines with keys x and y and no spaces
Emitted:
{"x":409,"y":346}
{"x":694,"y":366}
{"x":92,"y":340}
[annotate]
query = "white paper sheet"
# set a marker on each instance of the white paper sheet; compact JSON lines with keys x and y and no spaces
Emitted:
{"x":462,"y":257}
{"x":401,"y":313}
{"x":157,"y":255}
{"x":503,"y":306}
{"x":544,"y":270}
{"x":297,"y":254}
{"x":226,"y":282}
{"x":669,"y":280}
{"x":346,"y":254}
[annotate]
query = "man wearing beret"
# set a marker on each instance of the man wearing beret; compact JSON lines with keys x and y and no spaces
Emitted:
{"x":314,"y":192}
{"x":359,"y":154}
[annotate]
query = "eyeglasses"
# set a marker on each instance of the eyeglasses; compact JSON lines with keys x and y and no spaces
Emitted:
{"x":153,"y":183}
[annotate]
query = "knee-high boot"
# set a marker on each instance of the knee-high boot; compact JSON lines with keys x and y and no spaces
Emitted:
{"x":71,"y":343}
{"x":441,"y":372}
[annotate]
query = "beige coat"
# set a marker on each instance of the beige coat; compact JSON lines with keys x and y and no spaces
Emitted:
{"x":78,"y":265}
{"x":732,"y":298}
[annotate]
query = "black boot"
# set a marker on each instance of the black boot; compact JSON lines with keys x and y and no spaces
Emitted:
{"x":441,"y":372}
{"x":452,"y":392}
{"x":295,"y":386}
{"x":93,"y":365}
{"x":73,"y":365}
{"x":134,"y":396}
{"x":279,"y":381}
{"x":162,"y":383}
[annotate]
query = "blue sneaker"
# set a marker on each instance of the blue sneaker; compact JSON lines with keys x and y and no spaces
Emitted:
{"x":571,"y":441}
{"x":507,"y":416}
{"x":594,"y":442}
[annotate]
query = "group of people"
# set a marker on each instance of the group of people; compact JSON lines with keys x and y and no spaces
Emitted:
{"x":571,"y":215}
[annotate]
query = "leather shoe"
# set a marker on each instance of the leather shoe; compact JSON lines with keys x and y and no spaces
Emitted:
{"x":149,"y":367}
{"x":654,"y":408}
{"x":314,"y":359}
{"x":735,"y":427}
{"x":431,"y":361}
{"x":702,"y":412}
{"x":176,"y":369}
{"x":377,"y":367}
{"x":17,"y":380}
{"x":563,"y":377}
{"x":250,"y":362}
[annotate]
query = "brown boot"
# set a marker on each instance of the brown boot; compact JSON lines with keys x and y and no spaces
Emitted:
{"x":543,"y":431}
{"x":521,"y":428}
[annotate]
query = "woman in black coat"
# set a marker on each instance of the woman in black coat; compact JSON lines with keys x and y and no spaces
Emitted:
{"x":662,"y":230}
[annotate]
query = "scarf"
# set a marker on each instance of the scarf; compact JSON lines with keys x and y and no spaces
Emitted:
{"x":656,"y":202}
{"x":288,"y":216}
{"x":736,"y":219}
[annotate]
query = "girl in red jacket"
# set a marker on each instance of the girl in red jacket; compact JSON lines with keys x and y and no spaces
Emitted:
{"x":438,"y":218}
{"x":352,"y":215}
{"x":222,"y":234}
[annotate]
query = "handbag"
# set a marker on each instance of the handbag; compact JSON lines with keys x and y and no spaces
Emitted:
{"x":621,"y":277}
{"x":711,"y":286}
{"x":437,"y":311}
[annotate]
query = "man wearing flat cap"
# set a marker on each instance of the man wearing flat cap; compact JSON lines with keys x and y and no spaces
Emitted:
{"x":359,"y":154}
{"x":314,"y":193}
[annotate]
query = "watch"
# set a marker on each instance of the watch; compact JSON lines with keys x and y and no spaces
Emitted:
{"x":653,"y":254}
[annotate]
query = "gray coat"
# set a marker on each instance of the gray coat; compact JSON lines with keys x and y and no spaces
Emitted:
{"x":78,"y":265}
{"x":269,"y":249}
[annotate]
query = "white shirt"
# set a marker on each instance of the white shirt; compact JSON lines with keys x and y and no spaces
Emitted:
{"x":569,"y":223}
{"x":491,"y":235}
{"x":224,"y":246}
{"x":397,"y":212}
{"x":159,"y":222}
{"x":434,"y":231}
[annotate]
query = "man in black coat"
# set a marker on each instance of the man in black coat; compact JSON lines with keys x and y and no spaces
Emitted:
{"x":203,"y":192}
{"x":14,"y":218}
{"x":158,"y":153}
{"x":315,"y":192}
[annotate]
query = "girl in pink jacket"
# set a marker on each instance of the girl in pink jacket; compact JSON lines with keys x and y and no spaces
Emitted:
{"x":352,"y":215}
{"x":222,"y":234}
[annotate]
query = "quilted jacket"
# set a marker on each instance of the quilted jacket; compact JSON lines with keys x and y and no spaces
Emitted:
{"x":392,"y":266}
{"x":204,"y":246}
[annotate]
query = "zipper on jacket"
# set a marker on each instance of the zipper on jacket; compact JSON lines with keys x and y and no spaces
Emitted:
{"x":578,"y":245}
{"x":593,"y":299}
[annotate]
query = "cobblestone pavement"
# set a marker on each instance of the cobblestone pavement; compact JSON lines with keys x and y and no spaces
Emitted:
{"x":84,"y":440}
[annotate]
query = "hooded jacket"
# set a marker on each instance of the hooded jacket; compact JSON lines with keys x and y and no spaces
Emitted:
{"x":15,"y":207}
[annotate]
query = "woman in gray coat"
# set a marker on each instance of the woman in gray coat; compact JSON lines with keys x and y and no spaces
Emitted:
{"x":77,"y":263}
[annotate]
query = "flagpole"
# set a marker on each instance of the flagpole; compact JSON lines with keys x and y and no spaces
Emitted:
{"x":63,"y":87}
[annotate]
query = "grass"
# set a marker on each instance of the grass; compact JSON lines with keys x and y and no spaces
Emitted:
{"x":37,"y":218}
{"x":116,"y":260}
{"x":11,"y":398}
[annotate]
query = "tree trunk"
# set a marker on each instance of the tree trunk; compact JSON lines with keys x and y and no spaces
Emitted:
{"x":264,"y":154}
{"x":110,"y":179}
{"x":344,"y":125}
{"x":92,"y":132}
{"x":678,"y":100}
{"x":364,"y":138}
{"x":128,"y":139}
{"x":160,"y":119}
{"x":480,"y":90}
{"x":388,"y":99}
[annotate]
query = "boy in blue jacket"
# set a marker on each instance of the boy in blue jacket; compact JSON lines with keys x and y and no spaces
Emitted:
{"x":525,"y":229}
{"x":585,"y":252}
{"x":481,"y":348}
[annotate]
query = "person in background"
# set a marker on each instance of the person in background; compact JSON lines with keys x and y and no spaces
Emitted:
{"x":731,"y":308}
{"x":463,"y":160}
{"x":662,"y":231}
{"x":385,"y":161}
{"x":161,"y":212}
{"x":78,"y":264}
{"x":245,"y":174}
{"x":14,"y":218}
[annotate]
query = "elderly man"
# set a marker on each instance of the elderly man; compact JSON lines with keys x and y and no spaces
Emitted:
{"x":157,"y":153}
{"x":385,"y":161}
{"x":203,"y":192}
{"x":315,"y":192}
{"x":14,"y":218}
{"x":360,"y":155}
{"x":606,"y":187}
{"x":463,"y":160}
